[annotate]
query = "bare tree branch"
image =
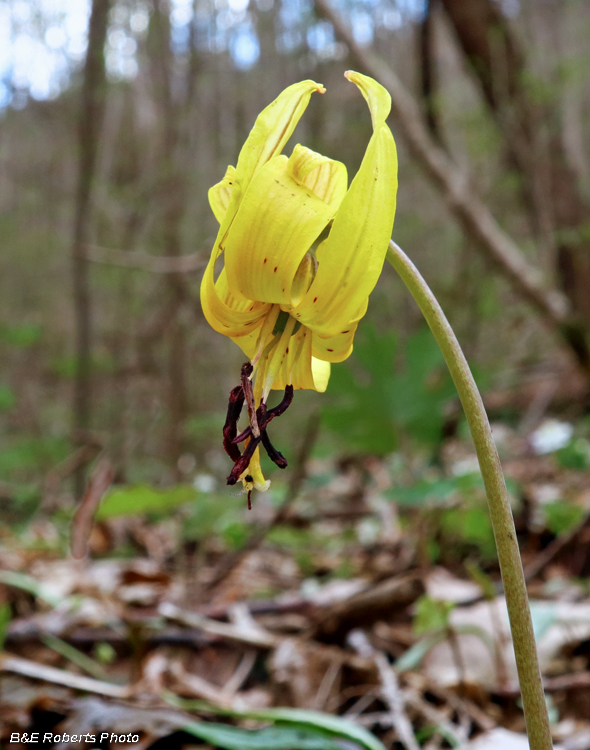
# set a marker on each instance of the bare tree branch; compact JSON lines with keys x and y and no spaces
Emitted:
{"x":139,"y":260}
{"x":475,"y":217}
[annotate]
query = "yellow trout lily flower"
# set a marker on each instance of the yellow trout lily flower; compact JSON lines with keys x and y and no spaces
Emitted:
{"x":302,"y":252}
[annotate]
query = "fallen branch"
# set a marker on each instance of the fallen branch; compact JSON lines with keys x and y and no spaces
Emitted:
{"x":42,"y":672}
{"x":389,"y":688}
{"x":252,"y":636}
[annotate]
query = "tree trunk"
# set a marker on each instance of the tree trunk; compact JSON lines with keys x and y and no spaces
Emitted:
{"x":91,"y":115}
{"x":534,"y":143}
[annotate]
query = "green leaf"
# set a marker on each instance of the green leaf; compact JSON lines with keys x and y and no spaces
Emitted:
{"x":133,"y":500}
{"x":575,"y":455}
{"x":269,"y":738}
{"x":431,"y":615}
{"x":7,"y":398}
{"x":561,"y":517}
{"x":4,"y":623}
{"x":373,"y":403}
{"x":412,"y":658}
{"x":20,"y":335}
{"x":294,"y":718}
{"x":30,"y":585}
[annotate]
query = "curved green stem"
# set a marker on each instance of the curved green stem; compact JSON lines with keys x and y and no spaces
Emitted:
{"x":533,"y":699}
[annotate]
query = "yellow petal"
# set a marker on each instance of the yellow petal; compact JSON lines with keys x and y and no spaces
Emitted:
{"x":223,"y":311}
{"x":302,"y":279}
{"x":255,"y":471}
{"x":375,"y":95}
{"x":273,"y":128}
{"x":277,"y":222}
{"x":335,"y":348}
{"x":321,"y":374}
{"x":220,"y":194}
{"x":327,"y":178}
{"x":351,"y":259}
{"x":300,"y":368}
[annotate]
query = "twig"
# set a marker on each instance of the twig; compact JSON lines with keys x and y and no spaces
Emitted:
{"x":389,"y":686}
{"x":252,"y":637}
{"x":98,"y":484}
{"x":60,"y":677}
{"x":199,"y":687}
{"x":537,"y":564}
{"x":433,"y":716}
{"x":521,"y":625}
{"x":140,"y":260}
{"x":241,"y":674}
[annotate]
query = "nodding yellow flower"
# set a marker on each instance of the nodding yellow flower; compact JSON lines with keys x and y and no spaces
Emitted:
{"x":302,"y":252}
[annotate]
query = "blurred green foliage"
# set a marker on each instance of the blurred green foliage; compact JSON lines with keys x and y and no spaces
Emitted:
{"x":134,"y":500}
{"x":379,"y":398}
{"x":7,"y":398}
{"x":20,"y":335}
{"x":431,"y":615}
{"x":575,"y":455}
{"x":561,"y":517}
{"x":26,"y":455}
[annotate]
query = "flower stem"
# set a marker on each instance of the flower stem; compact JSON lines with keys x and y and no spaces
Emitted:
{"x":531,"y":686}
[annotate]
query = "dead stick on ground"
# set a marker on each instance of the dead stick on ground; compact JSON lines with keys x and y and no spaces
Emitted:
{"x":42,"y":672}
{"x":389,"y":687}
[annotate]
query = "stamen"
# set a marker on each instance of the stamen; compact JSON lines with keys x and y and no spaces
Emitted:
{"x":243,"y":435}
{"x":249,"y":394}
{"x":243,"y":462}
{"x":278,"y":358}
{"x":230,"y":428}
{"x":274,"y":455}
{"x":281,"y":408}
{"x":265,"y":332}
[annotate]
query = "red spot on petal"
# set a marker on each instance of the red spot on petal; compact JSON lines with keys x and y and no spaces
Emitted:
{"x":330,"y":350}
{"x":276,"y":268}
{"x":265,"y":260}
{"x":315,"y":299}
{"x":346,"y":331}
{"x":287,"y":352}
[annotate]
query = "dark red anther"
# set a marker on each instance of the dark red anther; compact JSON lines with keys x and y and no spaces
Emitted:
{"x":230,"y":428}
{"x":273,"y":453}
{"x":281,"y":408}
{"x":242,"y":463}
{"x":243,"y":435}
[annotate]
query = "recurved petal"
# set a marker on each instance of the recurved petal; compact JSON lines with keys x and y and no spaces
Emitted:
{"x":376,"y":96}
{"x":273,"y":128}
{"x":351,"y":259}
{"x":220,"y":194}
{"x":223,"y":311}
{"x":335,"y":348}
{"x":277,"y":222}
{"x":326,"y":177}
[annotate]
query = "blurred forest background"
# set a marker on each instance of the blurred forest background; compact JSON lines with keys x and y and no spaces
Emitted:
{"x":116,"y":116}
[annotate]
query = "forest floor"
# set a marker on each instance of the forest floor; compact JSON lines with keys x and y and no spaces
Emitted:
{"x":359,"y":606}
